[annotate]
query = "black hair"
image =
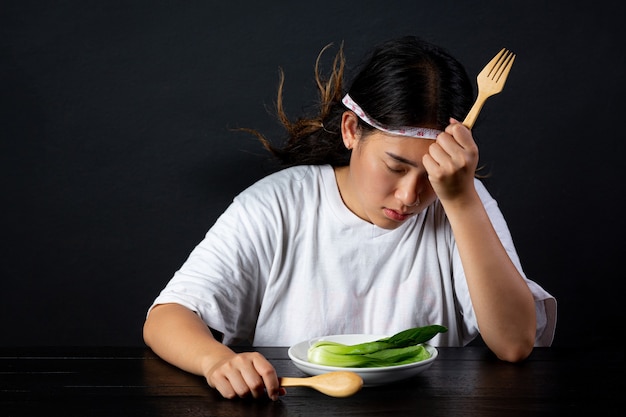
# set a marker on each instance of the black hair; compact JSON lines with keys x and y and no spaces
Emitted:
{"x":403,"y":82}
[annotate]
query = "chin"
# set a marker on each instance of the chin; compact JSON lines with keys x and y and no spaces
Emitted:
{"x":388,"y":224}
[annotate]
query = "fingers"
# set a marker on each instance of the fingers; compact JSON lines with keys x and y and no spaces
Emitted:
{"x":461,"y":134}
{"x":246,"y":374}
{"x":451,"y":160}
{"x":454,"y":149}
{"x":268,"y":376}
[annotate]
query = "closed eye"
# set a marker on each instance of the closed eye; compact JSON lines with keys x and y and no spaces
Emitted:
{"x":402,"y":160}
{"x":396,"y":170}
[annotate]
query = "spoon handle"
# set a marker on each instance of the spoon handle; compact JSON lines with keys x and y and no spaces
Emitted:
{"x":287,"y":381}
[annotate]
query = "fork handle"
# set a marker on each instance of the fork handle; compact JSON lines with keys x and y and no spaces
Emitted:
{"x":471,"y":117}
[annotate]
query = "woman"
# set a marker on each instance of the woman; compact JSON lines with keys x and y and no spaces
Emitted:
{"x":376,"y":224}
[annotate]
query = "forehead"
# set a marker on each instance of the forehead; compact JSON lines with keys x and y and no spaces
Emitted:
{"x":402,"y":146}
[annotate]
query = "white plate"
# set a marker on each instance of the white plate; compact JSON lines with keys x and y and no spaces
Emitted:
{"x":371,"y":376}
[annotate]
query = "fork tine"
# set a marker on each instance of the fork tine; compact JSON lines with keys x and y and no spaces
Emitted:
{"x":499,"y":63}
{"x":506,"y":68}
{"x":494,"y":62}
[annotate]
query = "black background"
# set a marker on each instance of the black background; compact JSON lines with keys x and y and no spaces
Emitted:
{"x":117,"y":154}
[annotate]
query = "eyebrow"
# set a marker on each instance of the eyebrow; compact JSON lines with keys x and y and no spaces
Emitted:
{"x":401,"y":159}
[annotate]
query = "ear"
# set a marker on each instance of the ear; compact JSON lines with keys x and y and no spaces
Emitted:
{"x":349,"y":129}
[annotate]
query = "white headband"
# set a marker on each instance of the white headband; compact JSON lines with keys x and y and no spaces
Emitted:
{"x":414,"y":132}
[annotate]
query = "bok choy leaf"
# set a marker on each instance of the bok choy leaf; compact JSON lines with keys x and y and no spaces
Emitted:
{"x":403,"y":347}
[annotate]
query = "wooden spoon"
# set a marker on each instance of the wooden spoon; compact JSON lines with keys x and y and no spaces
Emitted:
{"x":335,"y":384}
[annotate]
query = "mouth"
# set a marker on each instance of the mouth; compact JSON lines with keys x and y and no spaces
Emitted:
{"x":396,"y":215}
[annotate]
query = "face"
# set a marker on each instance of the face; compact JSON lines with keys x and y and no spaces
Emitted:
{"x":385,"y":183}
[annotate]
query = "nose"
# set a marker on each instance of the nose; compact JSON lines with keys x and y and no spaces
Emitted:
{"x":408,"y":191}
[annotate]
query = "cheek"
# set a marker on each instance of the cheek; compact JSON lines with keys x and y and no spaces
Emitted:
{"x":378,"y":188}
{"x":375,"y":179}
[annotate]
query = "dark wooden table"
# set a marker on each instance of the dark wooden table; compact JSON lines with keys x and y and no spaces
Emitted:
{"x":462,"y":382}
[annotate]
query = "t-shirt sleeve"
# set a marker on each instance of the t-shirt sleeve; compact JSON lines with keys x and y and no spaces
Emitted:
{"x":222,"y":279}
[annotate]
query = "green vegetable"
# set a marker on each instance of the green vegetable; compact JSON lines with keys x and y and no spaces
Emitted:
{"x":401,"y":348}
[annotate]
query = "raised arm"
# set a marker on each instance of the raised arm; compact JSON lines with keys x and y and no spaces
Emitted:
{"x":503,"y":303}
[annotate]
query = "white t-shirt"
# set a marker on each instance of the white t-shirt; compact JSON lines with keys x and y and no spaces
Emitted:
{"x":288,"y":261}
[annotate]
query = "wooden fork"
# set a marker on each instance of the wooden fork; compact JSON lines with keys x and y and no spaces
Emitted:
{"x":490,"y":82}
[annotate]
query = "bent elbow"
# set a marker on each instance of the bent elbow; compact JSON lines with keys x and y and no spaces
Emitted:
{"x":514,"y":355}
{"x":148,"y":331}
{"x":516,"y":352}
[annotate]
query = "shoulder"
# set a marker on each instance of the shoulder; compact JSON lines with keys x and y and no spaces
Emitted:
{"x":299,"y":173}
{"x":288,"y":183}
